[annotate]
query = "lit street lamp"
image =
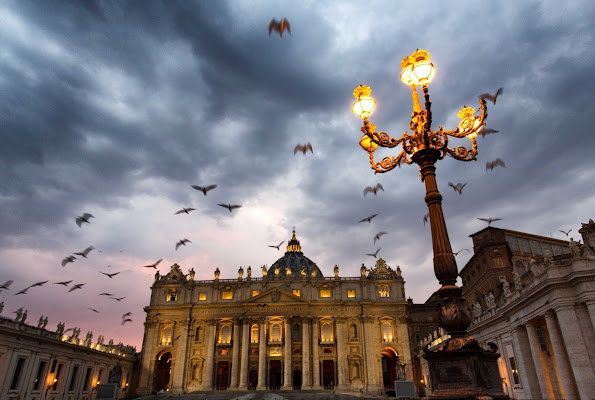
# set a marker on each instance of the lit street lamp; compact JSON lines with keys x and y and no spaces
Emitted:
{"x":425,"y":147}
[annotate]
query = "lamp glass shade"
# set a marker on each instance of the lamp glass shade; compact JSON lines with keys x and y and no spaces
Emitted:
{"x":469,"y":125}
{"x":419,"y":74}
{"x":367,"y":144}
{"x":364,"y":106}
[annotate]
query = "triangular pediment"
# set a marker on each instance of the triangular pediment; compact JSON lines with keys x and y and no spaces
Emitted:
{"x":275,"y":295}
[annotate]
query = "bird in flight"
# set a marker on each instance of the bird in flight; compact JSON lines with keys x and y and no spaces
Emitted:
{"x":154,"y":265}
{"x":375,"y":253}
{"x":458,"y":187}
{"x":277,"y":246}
{"x":118,"y":298}
{"x":24,"y":291}
{"x":486,"y":131}
{"x":109,"y":275}
{"x":374,"y":189}
{"x":105,"y":294}
{"x":94,"y":310}
{"x":64,"y":283}
{"x":564,"y":232}
{"x":279,"y":26}
{"x":85,"y":252}
{"x":68,"y":259}
{"x":490,"y":220}
{"x":457,"y":253}
{"x":426,"y":218}
{"x":369,"y":219}
{"x":83,"y":219}
{"x":492,"y":164}
{"x":492,"y":97}
{"x":6,"y":284}
{"x":126,"y":314}
{"x":182,"y":243}
{"x":185,"y":210}
{"x":204,"y":189}
{"x":76,"y":286}
{"x":126,"y":320}
{"x":303,"y":148}
{"x":229,"y":206}
{"x":38,"y":284}
{"x":377,"y":236}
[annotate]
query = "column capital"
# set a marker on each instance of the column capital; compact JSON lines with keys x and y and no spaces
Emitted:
{"x":306,"y":319}
{"x":211,"y":321}
{"x":341,"y":319}
{"x":367,"y":319}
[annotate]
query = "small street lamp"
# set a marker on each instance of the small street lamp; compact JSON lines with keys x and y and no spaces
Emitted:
{"x":425,"y":147}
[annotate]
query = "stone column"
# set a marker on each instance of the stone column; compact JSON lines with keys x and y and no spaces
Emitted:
{"x":235,"y":354}
{"x":176,"y":379}
{"x":577,"y":352}
{"x":591,"y":308}
{"x":245,"y":349}
{"x":562,"y":362}
{"x":342,"y":363}
{"x":262,"y":356}
{"x":406,"y":355}
{"x":148,"y":358}
{"x":306,"y":381}
{"x":287,"y":384}
{"x":372,"y":383}
{"x":315,"y":356}
{"x":524,"y":362}
{"x":547,"y":392}
{"x":208,"y":374}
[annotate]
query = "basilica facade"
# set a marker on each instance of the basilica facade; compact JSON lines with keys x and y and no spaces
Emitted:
{"x":290,"y":329}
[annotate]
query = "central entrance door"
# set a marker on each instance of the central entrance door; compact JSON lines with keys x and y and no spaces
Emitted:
{"x":328,"y":374}
{"x":162,"y":371}
{"x":223,"y":375}
{"x":389,"y":367}
{"x":275,"y":375}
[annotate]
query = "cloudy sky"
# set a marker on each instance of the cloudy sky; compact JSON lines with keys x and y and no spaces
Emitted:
{"x":117,"y":108}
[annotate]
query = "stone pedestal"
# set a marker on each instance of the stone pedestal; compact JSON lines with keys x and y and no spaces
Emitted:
{"x":460,"y":369}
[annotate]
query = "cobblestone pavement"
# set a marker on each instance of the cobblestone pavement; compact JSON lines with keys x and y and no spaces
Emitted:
{"x":258,"y":395}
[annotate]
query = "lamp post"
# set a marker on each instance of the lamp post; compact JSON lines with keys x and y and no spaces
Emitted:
{"x":425,"y":147}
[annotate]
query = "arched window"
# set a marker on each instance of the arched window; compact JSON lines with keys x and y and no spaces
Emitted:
{"x":276,"y":332}
{"x":352,"y":332}
{"x":387,"y":331}
{"x":297,"y":333}
{"x":327,"y":332}
{"x":225,"y":334}
{"x":166,"y":335}
{"x":254,"y":333}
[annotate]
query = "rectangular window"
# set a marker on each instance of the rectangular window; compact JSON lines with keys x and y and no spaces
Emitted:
{"x":75,"y":371}
{"x":202,"y":296}
{"x":53,"y":369}
{"x":17,"y":373}
{"x":57,"y":378}
{"x":255,"y":292}
{"x":513,"y":243}
{"x":325,"y":293}
{"x":39,"y":376}
{"x":296,"y":292}
{"x":227,"y":295}
{"x":99,"y":377}
{"x":351,"y":293}
{"x":87,"y":380}
{"x":515,"y":371}
{"x":383,"y":291}
{"x":524,"y":245}
{"x":172,"y":295}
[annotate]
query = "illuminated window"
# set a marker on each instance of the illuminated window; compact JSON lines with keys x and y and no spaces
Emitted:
{"x":224,"y":352}
{"x":166,"y":335}
{"x":387,"y":332}
{"x":383,"y":291}
{"x":254,"y":334}
{"x":327,"y":332}
{"x":227,"y":295}
{"x":515,"y":371}
{"x":296,"y":292}
{"x":350,"y":293}
{"x":325,"y":293}
{"x":225,"y":334}
{"x":202,"y":296}
{"x":172,"y":295}
{"x":255,"y":292}
{"x":276,"y":332}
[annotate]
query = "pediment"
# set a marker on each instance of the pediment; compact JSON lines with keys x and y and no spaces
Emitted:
{"x":275,"y":295}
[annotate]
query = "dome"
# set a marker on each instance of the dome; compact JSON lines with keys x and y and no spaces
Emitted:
{"x":295,"y":260}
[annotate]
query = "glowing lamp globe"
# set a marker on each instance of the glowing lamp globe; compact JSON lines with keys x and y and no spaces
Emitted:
{"x":364,"y":106}
{"x":417,"y":69}
{"x":367,"y":144}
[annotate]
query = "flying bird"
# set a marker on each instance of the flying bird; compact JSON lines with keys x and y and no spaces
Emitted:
{"x":68,"y":259}
{"x":126,"y":315}
{"x":204,"y":189}
{"x":486,"y":131}
{"x":303,"y":148}
{"x":374,"y":189}
{"x":426,"y":218}
{"x":492,"y":97}
{"x":279,"y":26}
{"x":118,"y":298}
{"x":182,"y":243}
{"x":154,"y":265}
{"x":457,"y":253}
{"x":105,"y":294}
{"x":83,"y":219}
{"x":229,"y":206}
{"x":94,"y":310}
{"x":85,"y":252}
{"x":277,"y":246}
{"x":375,"y":253}
{"x":492,"y":164}
{"x":184,"y":210}
{"x":24,"y":291}
{"x":109,"y":275}
{"x":64,"y":283}
{"x":369,"y":219}
{"x":566,"y":233}
{"x":458,"y":187}
{"x":38,"y":284}
{"x":377,"y":236}
{"x":76,"y":286}
{"x":6,"y":284}
{"x":490,"y":220}
{"x":126,"y":320}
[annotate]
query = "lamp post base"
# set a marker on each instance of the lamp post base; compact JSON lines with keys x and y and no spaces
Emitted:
{"x":461,"y":369}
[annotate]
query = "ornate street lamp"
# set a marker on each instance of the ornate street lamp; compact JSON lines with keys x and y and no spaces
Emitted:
{"x":425,"y":147}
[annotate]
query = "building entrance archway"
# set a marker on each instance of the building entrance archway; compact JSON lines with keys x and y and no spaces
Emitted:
{"x":162,"y":371}
{"x":297,"y":379}
{"x":389,"y":367}
{"x":253,"y":379}
{"x":328,"y":373}
{"x":223,"y":375}
{"x":275,"y":374}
